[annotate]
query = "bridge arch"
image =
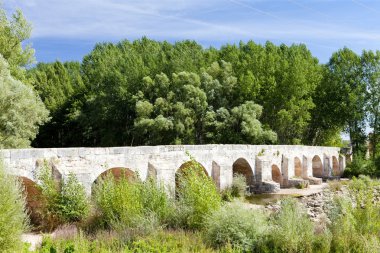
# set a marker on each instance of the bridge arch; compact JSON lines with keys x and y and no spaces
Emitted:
{"x":335,"y":166}
{"x":187,"y":166}
{"x":117,"y":173}
{"x":242,"y":167}
{"x":317,"y":166}
{"x":276,"y":174}
{"x":297,"y":167}
{"x":33,"y":198}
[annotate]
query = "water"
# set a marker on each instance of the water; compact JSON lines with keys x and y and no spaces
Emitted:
{"x":268,"y":198}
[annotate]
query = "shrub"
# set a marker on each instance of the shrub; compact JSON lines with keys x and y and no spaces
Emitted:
{"x":360,"y":166}
{"x":197,"y":197}
{"x":155,"y":200}
{"x":242,"y":228}
{"x":73,"y":204}
{"x":292,"y":230}
{"x":239,"y":186}
{"x":13,"y":218}
{"x":356,"y":220}
{"x":335,"y":185}
{"x":118,"y":201}
{"x":63,"y":202}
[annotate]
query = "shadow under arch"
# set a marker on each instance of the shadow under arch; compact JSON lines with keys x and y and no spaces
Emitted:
{"x":335,"y":166}
{"x":317,"y":166}
{"x":242,"y":167}
{"x":34,"y":201}
{"x":276,"y":174}
{"x":117,"y":173}
{"x":297,"y":167}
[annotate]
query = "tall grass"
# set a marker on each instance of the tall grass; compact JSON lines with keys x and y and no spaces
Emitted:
{"x":13,"y":217}
{"x":356,"y":220}
{"x":292,"y":231}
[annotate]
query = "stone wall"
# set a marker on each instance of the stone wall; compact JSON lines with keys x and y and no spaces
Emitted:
{"x":163,"y":161}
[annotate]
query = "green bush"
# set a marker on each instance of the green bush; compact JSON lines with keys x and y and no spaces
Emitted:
{"x":360,"y":166}
{"x":197,"y":197}
{"x":13,"y":218}
{"x":356,"y":220}
{"x":291,"y":229}
{"x":73,"y":204}
{"x":63,"y":202}
{"x":242,"y":228}
{"x":118,"y":201}
{"x":239,"y":186}
{"x":155,"y":200}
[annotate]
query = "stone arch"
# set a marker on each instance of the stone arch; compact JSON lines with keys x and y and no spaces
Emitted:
{"x":317,"y":166}
{"x":335,"y":166}
{"x":33,"y":199}
{"x":117,"y":173}
{"x":187,"y":166}
{"x":242,"y":167}
{"x":276,"y":174}
{"x":297,"y":167}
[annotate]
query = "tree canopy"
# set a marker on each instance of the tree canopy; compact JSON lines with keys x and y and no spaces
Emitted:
{"x":21,"y":111}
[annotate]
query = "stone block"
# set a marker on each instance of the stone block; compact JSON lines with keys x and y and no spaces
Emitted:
{"x":315,"y":180}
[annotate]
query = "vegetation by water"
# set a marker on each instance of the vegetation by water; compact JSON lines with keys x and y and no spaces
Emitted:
{"x":129,"y":215}
{"x":148,"y":92}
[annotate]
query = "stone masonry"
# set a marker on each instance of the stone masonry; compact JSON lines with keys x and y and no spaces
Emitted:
{"x":270,"y":166}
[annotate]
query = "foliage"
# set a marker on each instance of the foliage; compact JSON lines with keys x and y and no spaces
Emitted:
{"x":197,"y":197}
{"x":334,"y":185}
{"x":13,"y":33}
{"x":241,"y":227}
{"x":164,"y":241}
{"x":21,"y":111}
{"x":13,"y":217}
{"x":59,"y":85}
{"x":64,"y":201}
{"x":291,"y":229}
{"x":355,"y":221}
{"x":118,"y":201}
{"x":239,"y":186}
{"x":155,"y":200}
{"x":73,"y":204}
{"x":360,"y":166}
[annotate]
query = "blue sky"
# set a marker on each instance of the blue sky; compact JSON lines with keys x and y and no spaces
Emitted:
{"x":68,"y":29}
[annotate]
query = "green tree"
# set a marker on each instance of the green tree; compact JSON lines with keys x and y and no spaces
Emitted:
{"x":61,"y":88}
{"x":21,"y":111}
{"x":341,"y":99}
{"x":13,"y":33}
{"x":371,"y":61}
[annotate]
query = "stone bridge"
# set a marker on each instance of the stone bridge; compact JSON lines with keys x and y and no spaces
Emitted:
{"x":265,"y":167}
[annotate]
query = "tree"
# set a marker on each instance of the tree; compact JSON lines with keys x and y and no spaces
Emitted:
{"x":21,"y":111}
{"x":60,"y":87}
{"x":13,"y":33}
{"x":371,"y":64}
{"x":342,"y":96}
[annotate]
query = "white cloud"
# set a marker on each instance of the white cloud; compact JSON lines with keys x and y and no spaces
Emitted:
{"x":212,"y":20}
